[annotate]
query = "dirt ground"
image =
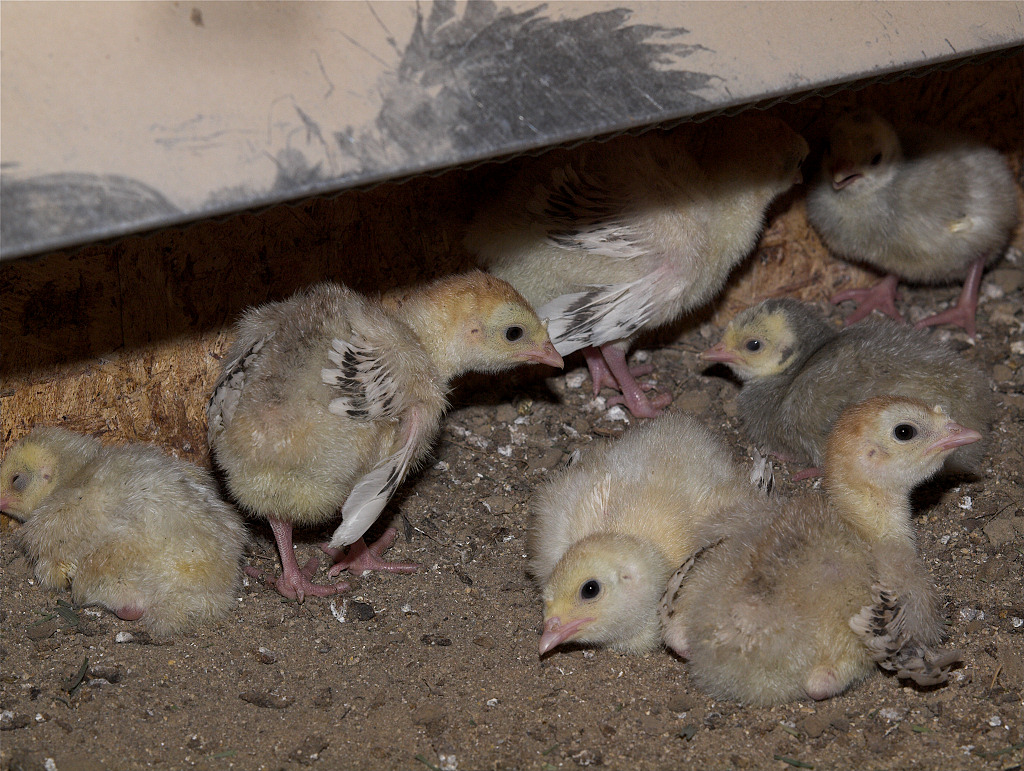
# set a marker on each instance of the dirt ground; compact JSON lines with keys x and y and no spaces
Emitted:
{"x":439,"y":670}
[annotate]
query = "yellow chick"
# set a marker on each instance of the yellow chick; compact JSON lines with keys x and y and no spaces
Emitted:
{"x":329,"y":398}
{"x":799,"y":372}
{"x":611,"y":239}
{"x":129,"y":528}
{"x":788,"y":599}
{"x":927,"y":207}
{"x":608,"y":532}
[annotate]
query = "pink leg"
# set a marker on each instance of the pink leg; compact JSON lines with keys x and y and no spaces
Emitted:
{"x":882,"y":296}
{"x":632,"y":392}
{"x":295,"y":582}
{"x":129,"y":612}
{"x":823,"y":683}
{"x":962,"y":314}
{"x":361,"y":558}
{"x":600,"y":375}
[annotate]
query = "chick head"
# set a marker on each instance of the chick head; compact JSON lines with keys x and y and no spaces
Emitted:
{"x":896,"y":439}
{"x":759,"y":151}
{"x":862,"y":152}
{"x":604,"y":591}
{"x":760,"y":341}
{"x":27,"y":475}
{"x":494,"y":326}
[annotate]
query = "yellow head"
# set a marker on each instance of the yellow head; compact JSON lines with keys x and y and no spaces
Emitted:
{"x":862,"y":151}
{"x":476,"y":322}
{"x":37,"y":464}
{"x":605,"y":591}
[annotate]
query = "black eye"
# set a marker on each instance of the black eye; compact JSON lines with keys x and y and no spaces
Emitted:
{"x":753,"y":345}
{"x":19,"y":482}
{"x":513,"y":333}
{"x":877,"y":159}
{"x":590,"y":589}
{"x":904,"y":432}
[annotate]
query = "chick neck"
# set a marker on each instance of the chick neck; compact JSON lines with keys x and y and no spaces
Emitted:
{"x":438,"y":321}
{"x":879,"y":512}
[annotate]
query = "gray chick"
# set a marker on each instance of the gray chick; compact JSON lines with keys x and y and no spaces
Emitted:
{"x":928,"y":207}
{"x":799,"y":372}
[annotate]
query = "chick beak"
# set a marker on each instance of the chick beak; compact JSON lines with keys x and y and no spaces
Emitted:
{"x":844,"y":173}
{"x":720,"y":353}
{"x":955,"y":436}
{"x":556,"y":633}
{"x":545,"y":354}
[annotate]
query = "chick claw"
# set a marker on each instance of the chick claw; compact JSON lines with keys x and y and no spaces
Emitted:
{"x":882,"y":296}
{"x":362,"y":558}
{"x":295,"y":584}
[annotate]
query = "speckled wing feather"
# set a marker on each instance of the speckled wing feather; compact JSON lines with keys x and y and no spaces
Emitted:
{"x":600,"y":315}
{"x":762,"y":474}
{"x":372,"y":493}
{"x":666,"y":607}
{"x":362,"y":386}
{"x":229,"y":386}
{"x":882,"y":628}
{"x":580,"y":214}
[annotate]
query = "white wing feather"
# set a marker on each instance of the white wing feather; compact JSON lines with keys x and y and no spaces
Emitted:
{"x":370,"y":495}
{"x":600,"y":315}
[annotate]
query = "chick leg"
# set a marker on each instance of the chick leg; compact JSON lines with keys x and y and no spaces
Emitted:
{"x":361,"y":558}
{"x":962,"y":314}
{"x":600,"y":375}
{"x":633,"y":395}
{"x":882,"y":296}
{"x":294,"y":582}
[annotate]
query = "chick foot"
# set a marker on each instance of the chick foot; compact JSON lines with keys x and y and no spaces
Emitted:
{"x":362,"y":558}
{"x":295,"y":582}
{"x":963,"y":313}
{"x":613,"y":371}
{"x":882,"y":296}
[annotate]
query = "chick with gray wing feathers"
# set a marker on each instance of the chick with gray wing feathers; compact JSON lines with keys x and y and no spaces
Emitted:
{"x":607,"y":533}
{"x":799,"y":372}
{"x":328,"y":399}
{"x":927,"y":206}
{"x":794,"y":598}
{"x":611,"y":239}
{"x":129,"y":528}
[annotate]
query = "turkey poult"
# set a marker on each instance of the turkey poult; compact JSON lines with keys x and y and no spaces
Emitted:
{"x":788,"y":599}
{"x":328,"y":399}
{"x":608,"y":532}
{"x":928,"y":207}
{"x":799,"y":372}
{"x":611,"y":239}
{"x":128,"y":527}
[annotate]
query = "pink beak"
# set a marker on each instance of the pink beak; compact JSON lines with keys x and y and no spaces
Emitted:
{"x":546,"y":354}
{"x":844,"y":173}
{"x":956,"y":436}
{"x":556,"y":633}
{"x":719,"y":353}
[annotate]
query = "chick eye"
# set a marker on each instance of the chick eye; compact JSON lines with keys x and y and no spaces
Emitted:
{"x":753,"y":345}
{"x":904,"y":432}
{"x":877,"y":159}
{"x":19,"y":482}
{"x":590,"y":589}
{"x":513,"y":333}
